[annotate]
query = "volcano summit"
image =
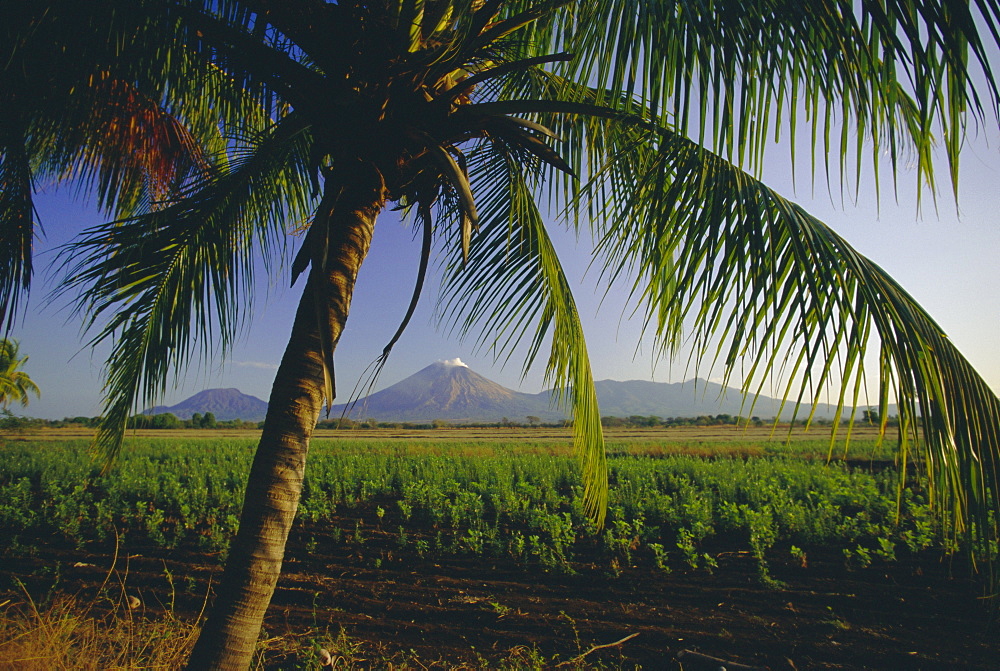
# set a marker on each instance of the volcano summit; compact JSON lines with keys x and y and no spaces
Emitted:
{"x":453,"y":391}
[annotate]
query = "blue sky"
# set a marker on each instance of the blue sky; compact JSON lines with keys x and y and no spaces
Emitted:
{"x":948,"y":261}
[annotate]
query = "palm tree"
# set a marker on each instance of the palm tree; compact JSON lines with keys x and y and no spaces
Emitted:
{"x":642,"y":123}
{"x":15,"y":385}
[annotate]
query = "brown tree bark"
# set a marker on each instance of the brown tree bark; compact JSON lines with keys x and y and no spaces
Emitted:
{"x":230,"y":633}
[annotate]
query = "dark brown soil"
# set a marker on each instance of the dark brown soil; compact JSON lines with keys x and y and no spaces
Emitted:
{"x":459,"y":611}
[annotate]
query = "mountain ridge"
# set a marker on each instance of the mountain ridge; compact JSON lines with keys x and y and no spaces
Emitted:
{"x":225,"y":403}
{"x":451,"y":391}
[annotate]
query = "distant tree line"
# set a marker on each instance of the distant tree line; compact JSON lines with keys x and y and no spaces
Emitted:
{"x":166,"y":420}
{"x":372,"y":423}
{"x":643,"y":421}
{"x":869,"y":416}
{"x":208,"y":420}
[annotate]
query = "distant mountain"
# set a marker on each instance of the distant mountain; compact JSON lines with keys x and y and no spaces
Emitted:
{"x":449,"y":390}
{"x":689,"y":399}
{"x":225,"y":404}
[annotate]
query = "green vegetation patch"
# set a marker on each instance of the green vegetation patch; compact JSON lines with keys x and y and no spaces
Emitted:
{"x":492,"y":498}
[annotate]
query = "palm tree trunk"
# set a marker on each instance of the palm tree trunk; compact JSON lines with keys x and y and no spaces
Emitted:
{"x":230,"y":633}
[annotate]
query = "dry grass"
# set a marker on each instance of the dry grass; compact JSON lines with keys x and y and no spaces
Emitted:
{"x":109,"y":631}
{"x":70,"y":634}
{"x":101,"y":635}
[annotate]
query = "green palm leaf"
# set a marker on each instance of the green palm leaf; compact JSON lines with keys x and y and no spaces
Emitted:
{"x":513,"y":288}
{"x":129,"y":117}
{"x":719,"y":255}
{"x":734,"y":74}
{"x":182,"y":273}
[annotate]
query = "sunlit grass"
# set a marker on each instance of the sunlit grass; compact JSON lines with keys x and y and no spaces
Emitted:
{"x":72,"y":633}
{"x":69,"y":632}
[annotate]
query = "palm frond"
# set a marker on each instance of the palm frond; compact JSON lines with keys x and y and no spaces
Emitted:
{"x":513,"y":290}
{"x":712,"y":251}
{"x":173,"y":278}
{"x":718,"y":254}
{"x":369,"y":377}
{"x":895,"y":75}
{"x":17,"y":222}
{"x":129,"y":115}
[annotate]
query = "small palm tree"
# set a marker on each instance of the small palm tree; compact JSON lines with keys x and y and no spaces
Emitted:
{"x":15,"y":385}
{"x":642,"y":122}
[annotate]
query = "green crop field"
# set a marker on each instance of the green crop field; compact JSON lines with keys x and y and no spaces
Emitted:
{"x":485,"y":492}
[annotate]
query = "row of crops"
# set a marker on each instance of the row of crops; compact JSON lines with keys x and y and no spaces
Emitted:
{"x":514,"y":500}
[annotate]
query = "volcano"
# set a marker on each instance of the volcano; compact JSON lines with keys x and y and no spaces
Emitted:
{"x":452,"y":391}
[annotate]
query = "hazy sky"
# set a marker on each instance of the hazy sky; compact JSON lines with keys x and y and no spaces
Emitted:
{"x":948,"y":262}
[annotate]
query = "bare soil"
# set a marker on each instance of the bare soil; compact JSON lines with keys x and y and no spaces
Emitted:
{"x":473,"y":612}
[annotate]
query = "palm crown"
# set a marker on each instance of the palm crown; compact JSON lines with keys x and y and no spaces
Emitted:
{"x":642,"y":122}
{"x":15,"y":385}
